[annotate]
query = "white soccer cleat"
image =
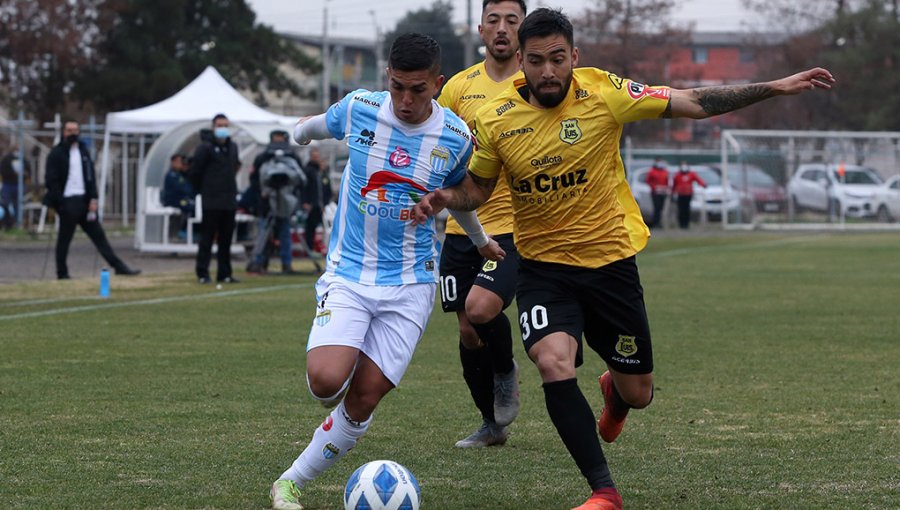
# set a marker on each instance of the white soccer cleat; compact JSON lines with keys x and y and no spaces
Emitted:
{"x":285,"y":495}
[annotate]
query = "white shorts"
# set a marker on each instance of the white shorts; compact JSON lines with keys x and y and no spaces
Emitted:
{"x":384,"y":322}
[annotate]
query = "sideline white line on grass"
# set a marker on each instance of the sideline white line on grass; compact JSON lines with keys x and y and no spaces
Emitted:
{"x":733,"y":247}
{"x":156,"y":301}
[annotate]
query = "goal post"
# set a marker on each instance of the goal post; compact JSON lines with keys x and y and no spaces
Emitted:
{"x":812,"y":180}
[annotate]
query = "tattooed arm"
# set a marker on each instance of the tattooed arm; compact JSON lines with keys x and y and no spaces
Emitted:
{"x":468,"y":195}
{"x":701,"y":103}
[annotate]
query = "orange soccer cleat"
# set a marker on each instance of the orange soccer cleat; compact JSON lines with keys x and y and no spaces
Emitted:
{"x":603,"y":499}
{"x":612,"y":418}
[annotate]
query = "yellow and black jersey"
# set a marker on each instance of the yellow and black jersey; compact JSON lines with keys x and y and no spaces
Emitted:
{"x":571,"y":202}
{"x":464,"y":94}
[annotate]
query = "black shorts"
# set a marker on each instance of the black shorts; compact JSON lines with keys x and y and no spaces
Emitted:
{"x":605,"y":304}
{"x":462,"y":266}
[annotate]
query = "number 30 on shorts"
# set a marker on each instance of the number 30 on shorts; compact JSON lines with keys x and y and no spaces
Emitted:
{"x":448,"y":288}
{"x":538,"y":317}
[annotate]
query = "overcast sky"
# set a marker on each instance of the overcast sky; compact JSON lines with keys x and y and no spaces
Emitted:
{"x":354,"y":18}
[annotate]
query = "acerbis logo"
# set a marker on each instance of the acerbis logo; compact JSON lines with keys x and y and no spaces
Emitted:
{"x":366,"y":138}
{"x":505,"y":107}
{"x":544,"y":183}
{"x":516,"y":132}
{"x":469,"y":97}
{"x":546,"y":161}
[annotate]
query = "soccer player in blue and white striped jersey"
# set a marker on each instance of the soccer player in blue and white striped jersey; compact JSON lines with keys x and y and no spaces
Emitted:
{"x":377,"y":292}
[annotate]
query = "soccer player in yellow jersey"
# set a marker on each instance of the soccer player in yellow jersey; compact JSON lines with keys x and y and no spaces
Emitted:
{"x":476,"y":289}
{"x":577,"y":225}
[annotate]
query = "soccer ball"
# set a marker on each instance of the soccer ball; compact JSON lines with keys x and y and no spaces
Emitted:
{"x":382,"y":485}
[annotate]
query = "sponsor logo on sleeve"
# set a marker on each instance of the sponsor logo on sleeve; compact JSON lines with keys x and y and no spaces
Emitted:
{"x":616,"y":81}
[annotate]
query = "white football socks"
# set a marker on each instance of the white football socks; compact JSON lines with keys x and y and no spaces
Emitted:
{"x":336,"y":436}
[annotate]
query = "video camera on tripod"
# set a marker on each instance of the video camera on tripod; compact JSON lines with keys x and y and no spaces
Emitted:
{"x":279,"y":176}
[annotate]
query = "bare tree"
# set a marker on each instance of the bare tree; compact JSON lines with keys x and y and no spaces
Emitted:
{"x":44,"y":44}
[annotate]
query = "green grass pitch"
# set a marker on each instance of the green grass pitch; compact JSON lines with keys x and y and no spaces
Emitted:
{"x":777,"y":370}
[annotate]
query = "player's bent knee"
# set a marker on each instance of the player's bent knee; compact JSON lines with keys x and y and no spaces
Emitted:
{"x":327,"y":389}
{"x":482,"y":311}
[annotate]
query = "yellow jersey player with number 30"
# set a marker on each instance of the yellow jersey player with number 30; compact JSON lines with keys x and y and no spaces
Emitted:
{"x":577,"y":226}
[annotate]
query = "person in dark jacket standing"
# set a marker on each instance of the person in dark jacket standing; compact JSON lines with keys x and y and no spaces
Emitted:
{"x":213,"y":169}
{"x":316,"y":195}
{"x":72,"y":191}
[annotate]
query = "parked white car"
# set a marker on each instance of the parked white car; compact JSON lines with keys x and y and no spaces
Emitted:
{"x":887,"y":200}
{"x":820,"y":187}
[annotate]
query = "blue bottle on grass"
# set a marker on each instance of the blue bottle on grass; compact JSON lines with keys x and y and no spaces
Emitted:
{"x":104,"y":283}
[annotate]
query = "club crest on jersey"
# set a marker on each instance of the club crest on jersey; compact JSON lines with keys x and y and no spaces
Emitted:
{"x":570,"y":132}
{"x":440,"y":157}
{"x":323,"y":317}
{"x":489,"y":266}
{"x":626,"y":345}
{"x":400,"y":158}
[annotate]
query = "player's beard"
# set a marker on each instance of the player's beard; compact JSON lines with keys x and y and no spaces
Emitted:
{"x":550,"y":99}
{"x":501,"y":56}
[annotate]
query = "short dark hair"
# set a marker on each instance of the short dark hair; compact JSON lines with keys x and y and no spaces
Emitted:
{"x":546,"y":22}
{"x":176,"y":156}
{"x":278,"y":132}
{"x":521,"y":3}
{"x":415,"y":52}
{"x":217,"y":117}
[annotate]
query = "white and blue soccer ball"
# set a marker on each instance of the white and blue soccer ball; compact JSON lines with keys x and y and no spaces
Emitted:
{"x":382,"y":485}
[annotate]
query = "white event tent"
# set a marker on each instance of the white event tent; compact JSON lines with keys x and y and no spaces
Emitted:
{"x":196,"y":103}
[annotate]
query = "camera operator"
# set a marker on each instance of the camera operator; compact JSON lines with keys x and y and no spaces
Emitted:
{"x":277,"y":173}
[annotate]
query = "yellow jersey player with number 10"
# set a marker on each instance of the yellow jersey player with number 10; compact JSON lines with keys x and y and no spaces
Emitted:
{"x":475,"y":289}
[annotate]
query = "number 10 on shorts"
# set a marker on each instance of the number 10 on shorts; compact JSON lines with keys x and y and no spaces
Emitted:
{"x":448,"y":288}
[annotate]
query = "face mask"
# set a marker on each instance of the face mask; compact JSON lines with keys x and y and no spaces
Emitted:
{"x":72,"y":139}
{"x":222,"y":132}
{"x":684,"y":169}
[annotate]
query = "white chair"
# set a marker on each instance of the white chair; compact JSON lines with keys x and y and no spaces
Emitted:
{"x":153,"y":207}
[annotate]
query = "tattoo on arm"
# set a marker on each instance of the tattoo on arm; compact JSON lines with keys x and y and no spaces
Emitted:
{"x":667,"y":114}
{"x":467,"y":201}
{"x":719,"y":100}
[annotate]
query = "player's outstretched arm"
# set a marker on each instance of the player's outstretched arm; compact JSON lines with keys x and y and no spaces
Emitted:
{"x":311,"y":128}
{"x":700,"y":103}
{"x":468,"y":195}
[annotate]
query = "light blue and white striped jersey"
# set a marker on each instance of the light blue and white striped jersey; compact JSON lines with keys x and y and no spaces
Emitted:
{"x":391,"y":164}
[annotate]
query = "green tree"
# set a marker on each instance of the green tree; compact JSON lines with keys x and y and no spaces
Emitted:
{"x":437,"y":22}
{"x":155,"y":47}
{"x":858,"y":41}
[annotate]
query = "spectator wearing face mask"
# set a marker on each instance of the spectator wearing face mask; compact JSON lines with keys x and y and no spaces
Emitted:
{"x":683,"y":191}
{"x":212,"y":173}
{"x":72,"y":192}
